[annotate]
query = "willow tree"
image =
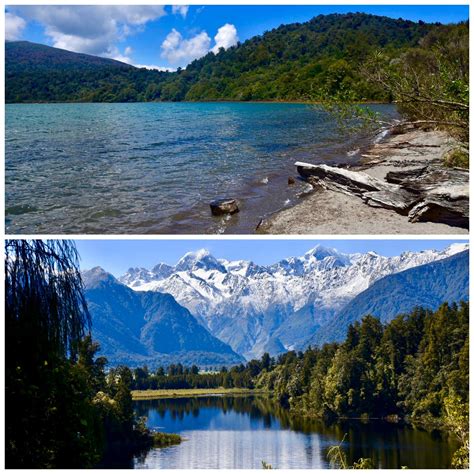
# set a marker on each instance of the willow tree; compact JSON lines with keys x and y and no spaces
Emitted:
{"x":49,"y":419}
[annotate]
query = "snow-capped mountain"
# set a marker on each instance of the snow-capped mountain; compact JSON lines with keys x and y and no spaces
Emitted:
{"x":254,"y":308}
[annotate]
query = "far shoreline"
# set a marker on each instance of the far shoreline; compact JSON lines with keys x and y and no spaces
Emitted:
{"x":138,"y":395}
{"x":211,"y":101}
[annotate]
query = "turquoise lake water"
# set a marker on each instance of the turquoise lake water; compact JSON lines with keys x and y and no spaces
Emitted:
{"x":154,"y":167}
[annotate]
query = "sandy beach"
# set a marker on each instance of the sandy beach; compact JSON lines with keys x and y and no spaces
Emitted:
{"x":330,"y":212}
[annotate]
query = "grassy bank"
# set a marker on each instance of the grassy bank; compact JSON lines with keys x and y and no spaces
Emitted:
{"x":162,"y":440}
{"x":191,"y":392}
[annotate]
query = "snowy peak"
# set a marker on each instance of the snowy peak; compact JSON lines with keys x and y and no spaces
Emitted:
{"x":200,"y":260}
{"x":162,"y":270}
{"x":320,"y":253}
{"x":244,"y":304}
{"x":455,"y":248}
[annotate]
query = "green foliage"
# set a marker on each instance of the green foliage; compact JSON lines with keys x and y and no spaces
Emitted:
{"x":405,"y":368}
{"x":300,"y":61}
{"x":415,"y":367}
{"x":161,"y":440}
{"x":50,"y":420}
{"x":176,"y":376}
{"x":457,"y":419}
{"x":456,"y":158}
{"x":429,"y":81}
{"x":338,"y":459}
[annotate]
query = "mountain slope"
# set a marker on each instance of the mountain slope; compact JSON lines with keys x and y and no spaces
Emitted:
{"x":148,"y":327}
{"x":24,"y":56}
{"x":427,"y":286}
{"x":39,"y":73}
{"x":253,"y":308}
{"x":285,"y":63}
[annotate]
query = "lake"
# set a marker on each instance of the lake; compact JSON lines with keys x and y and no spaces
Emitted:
{"x":154,"y":167}
{"x":242,"y":431}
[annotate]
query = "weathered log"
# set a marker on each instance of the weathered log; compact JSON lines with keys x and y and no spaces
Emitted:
{"x":432,"y":179}
{"x":431,"y":209}
{"x":350,"y":182}
{"x":399,"y":201}
{"x":397,"y":177}
{"x":428,"y":193}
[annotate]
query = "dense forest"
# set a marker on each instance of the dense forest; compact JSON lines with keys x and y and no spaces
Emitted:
{"x":416,"y":367}
{"x":301,"y":61}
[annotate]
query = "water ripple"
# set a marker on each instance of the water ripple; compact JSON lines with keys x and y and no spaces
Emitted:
{"x":153,"y":168}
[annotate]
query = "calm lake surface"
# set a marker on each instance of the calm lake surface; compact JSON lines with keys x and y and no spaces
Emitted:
{"x":241,"y":431}
{"x":154,"y":167}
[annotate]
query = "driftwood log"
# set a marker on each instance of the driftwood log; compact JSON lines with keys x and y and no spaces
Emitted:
{"x":429,"y":193}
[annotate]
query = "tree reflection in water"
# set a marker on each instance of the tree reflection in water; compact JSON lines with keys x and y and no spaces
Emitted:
{"x":273,"y":430}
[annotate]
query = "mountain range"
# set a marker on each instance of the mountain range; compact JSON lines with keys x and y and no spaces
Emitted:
{"x":233,"y":309}
{"x":286,"y":63}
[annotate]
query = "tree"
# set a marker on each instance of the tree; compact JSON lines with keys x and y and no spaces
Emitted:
{"x":49,"y":417}
{"x":430,"y":83}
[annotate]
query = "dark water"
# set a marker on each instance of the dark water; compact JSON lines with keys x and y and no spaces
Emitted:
{"x":154,"y":167}
{"x":240,"y":432}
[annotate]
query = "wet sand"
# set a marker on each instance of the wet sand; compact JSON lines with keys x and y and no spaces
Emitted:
{"x":330,"y":212}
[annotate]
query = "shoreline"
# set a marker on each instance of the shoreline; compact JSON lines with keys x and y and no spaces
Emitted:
{"x":210,"y":101}
{"x":138,"y":395}
{"x":324,"y":211}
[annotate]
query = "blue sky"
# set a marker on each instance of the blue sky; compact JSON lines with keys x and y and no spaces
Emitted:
{"x":116,"y":256}
{"x":170,"y":37}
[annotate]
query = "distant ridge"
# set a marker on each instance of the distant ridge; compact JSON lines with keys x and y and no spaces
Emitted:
{"x":426,"y":286}
{"x":24,"y":56}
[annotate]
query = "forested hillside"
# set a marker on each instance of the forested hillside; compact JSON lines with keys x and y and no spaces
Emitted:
{"x":292,"y":62}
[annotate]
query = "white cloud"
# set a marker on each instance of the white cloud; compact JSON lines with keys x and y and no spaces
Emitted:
{"x":14,"y":26}
{"x":225,"y":38}
{"x":125,"y":57}
{"x":179,"y":51}
{"x":180,"y":10}
{"x":90,"y":29}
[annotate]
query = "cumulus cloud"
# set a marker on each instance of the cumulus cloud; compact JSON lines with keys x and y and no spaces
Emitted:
{"x":225,"y":38}
{"x":93,"y":29}
{"x":180,"y":10}
{"x":14,"y":26}
{"x":125,"y":57}
{"x":179,"y":51}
